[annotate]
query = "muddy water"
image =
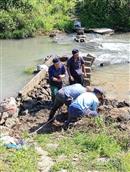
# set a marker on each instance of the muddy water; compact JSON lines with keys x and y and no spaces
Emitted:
{"x":17,"y":55}
{"x":115,"y":79}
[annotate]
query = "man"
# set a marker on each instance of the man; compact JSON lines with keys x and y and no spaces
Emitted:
{"x":75,"y":68}
{"x":85,"y":105}
{"x":66,"y":95}
{"x":56,"y":74}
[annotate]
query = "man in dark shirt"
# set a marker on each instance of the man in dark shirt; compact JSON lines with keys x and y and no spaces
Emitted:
{"x":75,"y":68}
{"x":56,"y":73}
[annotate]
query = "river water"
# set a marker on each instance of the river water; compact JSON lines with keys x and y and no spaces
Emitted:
{"x":17,"y":55}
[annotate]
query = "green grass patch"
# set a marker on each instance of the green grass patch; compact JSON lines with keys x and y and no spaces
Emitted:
{"x":83,"y":151}
{"x":29,"y":70}
{"x":66,"y":165}
{"x":24,"y":160}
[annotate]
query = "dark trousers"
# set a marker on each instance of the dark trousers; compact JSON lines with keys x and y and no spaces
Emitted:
{"x":60,"y":99}
{"x":77,"y":79}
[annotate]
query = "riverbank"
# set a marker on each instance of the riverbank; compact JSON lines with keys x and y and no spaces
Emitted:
{"x":92,"y":144}
{"x":23,"y":19}
{"x":19,"y":55}
{"x":103,"y":141}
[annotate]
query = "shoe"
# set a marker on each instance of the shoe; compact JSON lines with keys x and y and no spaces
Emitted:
{"x":68,"y":125}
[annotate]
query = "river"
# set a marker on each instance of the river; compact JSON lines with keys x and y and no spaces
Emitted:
{"x":17,"y":55}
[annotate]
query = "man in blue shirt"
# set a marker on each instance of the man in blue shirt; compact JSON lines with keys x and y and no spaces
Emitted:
{"x":75,"y":68}
{"x":85,"y":105}
{"x":56,"y":73}
{"x":65,"y":96}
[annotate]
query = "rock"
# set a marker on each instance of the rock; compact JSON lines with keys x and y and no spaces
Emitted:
{"x":52,"y":35}
{"x":45,"y":163}
{"x":26,"y":97}
{"x":80,"y":36}
{"x":52,"y":146}
{"x":103,"y":160}
{"x":123,"y":104}
{"x":80,"y":31}
{"x":121,"y":114}
{"x":4,"y":116}
{"x":82,"y":39}
{"x":4,"y":131}
{"x":11,"y":122}
{"x":25,"y":112}
{"x":8,"y":105}
{"x":112,"y":102}
{"x":29,"y":104}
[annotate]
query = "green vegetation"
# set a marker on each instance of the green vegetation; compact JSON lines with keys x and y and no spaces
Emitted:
{"x":18,"y":161}
{"x":105,"y":13}
{"x":29,"y":70}
{"x":99,"y":147}
{"x":106,"y":149}
{"x":25,"y":18}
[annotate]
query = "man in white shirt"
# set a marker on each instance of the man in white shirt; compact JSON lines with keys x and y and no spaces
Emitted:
{"x":85,"y":104}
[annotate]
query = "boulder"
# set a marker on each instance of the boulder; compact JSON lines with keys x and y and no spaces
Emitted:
{"x":9,"y":105}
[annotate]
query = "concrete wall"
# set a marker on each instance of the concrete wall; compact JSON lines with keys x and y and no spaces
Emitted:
{"x":35,"y":80}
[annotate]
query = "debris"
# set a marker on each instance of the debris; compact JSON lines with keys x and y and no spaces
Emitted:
{"x":11,"y":142}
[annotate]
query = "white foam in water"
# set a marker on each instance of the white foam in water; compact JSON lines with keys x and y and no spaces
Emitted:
{"x":116,"y":46}
{"x":111,"y":59}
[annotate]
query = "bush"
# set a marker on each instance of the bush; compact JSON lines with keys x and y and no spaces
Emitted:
{"x":23,"y":18}
{"x":98,"y":13}
{"x":6,"y":22}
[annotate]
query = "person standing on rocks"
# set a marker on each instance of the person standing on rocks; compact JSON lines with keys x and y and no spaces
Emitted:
{"x":66,"y":95}
{"x":85,"y":105}
{"x":56,"y":74}
{"x":75,"y":68}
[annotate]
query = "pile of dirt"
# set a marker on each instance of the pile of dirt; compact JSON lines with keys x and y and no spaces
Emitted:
{"x":33,"y":111}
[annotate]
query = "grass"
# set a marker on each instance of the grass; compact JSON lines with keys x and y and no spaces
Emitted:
{"x":29,"y":70}
{"x":102,"y":148}
{"x":24,"y":160}
{"x":104,"y":151}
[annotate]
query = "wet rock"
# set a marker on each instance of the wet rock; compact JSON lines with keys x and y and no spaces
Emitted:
{"x":104,"y":64}
{"x":80,"y":31}
{"x":52,"y":35}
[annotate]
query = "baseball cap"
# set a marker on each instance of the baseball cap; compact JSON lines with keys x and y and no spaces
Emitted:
{"x":56,"y":60}
{"x":98,"y":91}
{"x":74,"y":51}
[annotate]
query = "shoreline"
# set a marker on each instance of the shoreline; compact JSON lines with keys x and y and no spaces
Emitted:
{"x":42,"y":33}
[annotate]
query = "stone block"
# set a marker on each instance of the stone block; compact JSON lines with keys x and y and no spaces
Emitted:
{"x":87,"y":69}
{"x":88,"y":63}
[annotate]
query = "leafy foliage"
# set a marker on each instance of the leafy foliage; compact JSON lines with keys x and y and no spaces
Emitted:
{"x":106,"y":13}
{"x":23,"y":18}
